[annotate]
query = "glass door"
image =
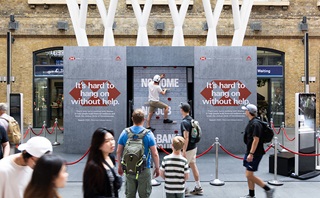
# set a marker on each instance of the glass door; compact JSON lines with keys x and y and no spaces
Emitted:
{"x":56,"y":101}
{"x":277,"y":101}
{"x":40,"y":102}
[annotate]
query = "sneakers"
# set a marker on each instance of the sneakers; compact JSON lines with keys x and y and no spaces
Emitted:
{"x":247,"y":196}
{"x":197,"y":191}
{"x":186,"y":192}
{"x":151,"y":129}
{"x":270,"y":193}
{"x":167,"y":121}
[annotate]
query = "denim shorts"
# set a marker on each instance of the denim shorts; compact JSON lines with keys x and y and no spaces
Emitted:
{"x":252,"y":166}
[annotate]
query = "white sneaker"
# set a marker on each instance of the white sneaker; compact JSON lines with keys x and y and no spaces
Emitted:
{"x":270,"y":193}
{"x":247,"y":196}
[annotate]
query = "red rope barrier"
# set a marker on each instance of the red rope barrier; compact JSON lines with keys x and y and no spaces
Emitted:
{"x":241,"y":158}
{"x":36,"y":133}
{"x":205,"y":152}
{"x":274,"y":129}
{"x":285,"y":133}
{"x":52,"y":130}
{"x":72,"y":163}
{"x":232,"y":155}
{"x":301,"y":154}
{"x":166,"y":152}
{"x":60,"y":128}
{"x":269,"y":147}
{"x":26,"y":133}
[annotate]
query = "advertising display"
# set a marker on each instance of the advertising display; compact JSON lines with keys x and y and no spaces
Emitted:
{"x":305,"y":132}
{"x":94,"y":94}
{"x":176,"y":83}
{"x":226,"y":79}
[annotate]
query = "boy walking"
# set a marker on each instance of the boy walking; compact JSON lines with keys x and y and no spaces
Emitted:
{"x":174,"y":170}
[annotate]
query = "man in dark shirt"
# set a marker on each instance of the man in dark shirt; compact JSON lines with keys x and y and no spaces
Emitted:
{"x":5,"y":150}
{"x":189,"y":150}
{"x":254,"y":152}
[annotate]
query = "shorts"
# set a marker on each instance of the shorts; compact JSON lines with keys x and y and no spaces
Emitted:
{"x":156,"y":104}
{"x":191,"y":155}
{"x":252,"y":166}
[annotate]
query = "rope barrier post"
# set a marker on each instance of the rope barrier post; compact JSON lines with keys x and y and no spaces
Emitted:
{"x":216,"y":181}
{"x":282,"y":127}
{"x":275,"y":181}
{"x":56,"y":143}
{"x":43,"y":127}
{"x":318,"y":150}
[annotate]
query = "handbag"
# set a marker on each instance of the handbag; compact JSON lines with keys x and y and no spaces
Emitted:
{"x":117,"y":178}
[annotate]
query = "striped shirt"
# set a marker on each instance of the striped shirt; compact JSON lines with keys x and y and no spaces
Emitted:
{"x":175,"y":167}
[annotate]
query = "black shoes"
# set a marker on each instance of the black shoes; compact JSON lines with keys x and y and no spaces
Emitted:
{"x":167,"y":121}
{"x":151,"y":129}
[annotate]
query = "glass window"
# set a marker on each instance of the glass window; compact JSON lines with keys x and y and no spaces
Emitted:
{"x":51,"y":57}
{"x":270,"y":92}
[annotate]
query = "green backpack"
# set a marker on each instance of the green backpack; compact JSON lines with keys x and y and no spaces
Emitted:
{"x":133,"y":159}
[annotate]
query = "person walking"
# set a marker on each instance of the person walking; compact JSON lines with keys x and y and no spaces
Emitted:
{"x":49,"y":173}
{"x":5,"y":146}
{"x":254,"y":152}
{"x":99,"y":176}
{"x":175,"y":170}
{"x":16,"y":170}
{"x":189,"y":150}
{"x":142,"y":183}
{"x":4,"y":121}
{"x":154,"y":100}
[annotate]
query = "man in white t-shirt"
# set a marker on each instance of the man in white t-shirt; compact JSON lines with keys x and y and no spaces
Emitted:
{"x":154,"y":100}
{"x":16,"y":170}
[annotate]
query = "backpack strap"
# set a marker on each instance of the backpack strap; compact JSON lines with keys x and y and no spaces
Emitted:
{"x":5,"y":119}
{"x":140,"y":135}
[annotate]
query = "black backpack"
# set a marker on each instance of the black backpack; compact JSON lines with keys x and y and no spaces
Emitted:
{"x":267,"y":132}
{"x":196,"y":131}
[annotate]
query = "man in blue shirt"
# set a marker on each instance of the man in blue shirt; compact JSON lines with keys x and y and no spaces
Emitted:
{"x":142,"y":184}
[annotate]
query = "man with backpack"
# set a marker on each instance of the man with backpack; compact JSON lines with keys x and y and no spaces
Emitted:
{"x":136,"y":145}
{"x":255,"y":151}
{"x":6,"y":121}
{"x":189,"y":150}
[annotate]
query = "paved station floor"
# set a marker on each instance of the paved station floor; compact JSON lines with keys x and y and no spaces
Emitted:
{"x":230,"y":171}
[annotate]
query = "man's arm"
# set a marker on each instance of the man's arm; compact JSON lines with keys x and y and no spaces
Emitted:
{"x":119,"y":153}
{"x":6,"y":149}
{"x":185,"y":146}
{"x":155,"y":157}
{"x":163,"y":92}
{"x":253,"y":148}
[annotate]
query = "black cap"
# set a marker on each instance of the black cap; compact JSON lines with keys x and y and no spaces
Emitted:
{"x":185,"y":107}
